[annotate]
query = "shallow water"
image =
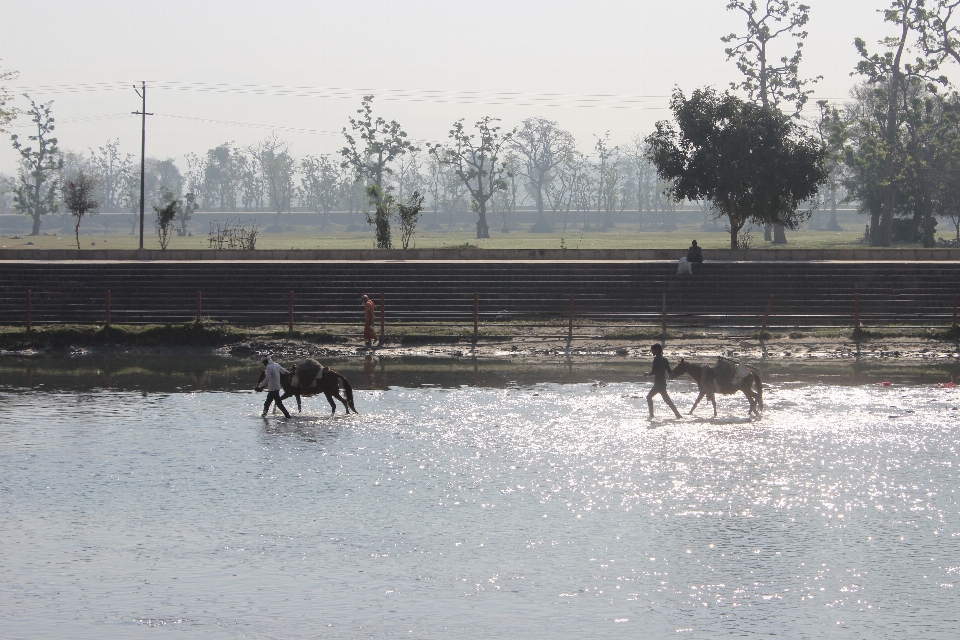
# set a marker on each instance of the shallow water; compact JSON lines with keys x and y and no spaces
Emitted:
{"x":543,"y":510}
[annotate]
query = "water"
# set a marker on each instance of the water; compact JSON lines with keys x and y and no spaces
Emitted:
{"x":518,"y":510}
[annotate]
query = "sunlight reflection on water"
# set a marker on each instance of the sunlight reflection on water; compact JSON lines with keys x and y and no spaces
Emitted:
{"x":543,"y":511}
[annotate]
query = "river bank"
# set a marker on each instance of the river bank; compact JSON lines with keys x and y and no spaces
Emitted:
{"x":517,"y":342}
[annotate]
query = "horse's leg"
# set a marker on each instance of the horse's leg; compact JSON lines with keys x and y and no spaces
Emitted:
{"x":713,"y":401}
{"x":343,"y":401}
{"x":333,"y":405}
{"x":752,"y":400}
{"x":697,"y":401}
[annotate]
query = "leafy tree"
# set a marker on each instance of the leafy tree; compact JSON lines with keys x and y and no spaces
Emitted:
{"x":380,"y":143}
{"x":165,"y":216}
{"x":475,"y":160}
{"x":409,"y":214}
{"x":278,"y":170}
{"x":543,"y":145}
{"x":36,"y":191}
{"x":220,"y":177}
{"x":188,"y":206}
{"x":754,"y":164}
{"x":79,"y":198}
{"x":892,"y":75}
{"x":7,"y":113}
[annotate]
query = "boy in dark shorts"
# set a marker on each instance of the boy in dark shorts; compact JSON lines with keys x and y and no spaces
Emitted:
{"x":661,"y":369}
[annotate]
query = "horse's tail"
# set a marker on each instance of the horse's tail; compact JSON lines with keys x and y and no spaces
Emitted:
{"x":759,"y":386}
{"x":348,"y":391}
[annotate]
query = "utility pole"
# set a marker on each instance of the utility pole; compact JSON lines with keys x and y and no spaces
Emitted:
{"x":142,"y":92}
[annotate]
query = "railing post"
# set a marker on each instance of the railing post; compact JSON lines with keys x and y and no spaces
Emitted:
{"x":29,"y":310}
{"x":856,"y":311}
{"x":290,"y":313}
{"x":766,"y":315}
{"x":199,"y":299}
{"x":663,"y":317}
{"x":570,"y":327}
{"x":108,"y":309}
{"x":955,"y":296}
{"x":476,"y":315}
{"x":382,"y":330}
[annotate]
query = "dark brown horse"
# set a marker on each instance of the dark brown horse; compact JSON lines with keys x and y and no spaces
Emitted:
{"x":328,"y":385}
{"x":708,"y":388}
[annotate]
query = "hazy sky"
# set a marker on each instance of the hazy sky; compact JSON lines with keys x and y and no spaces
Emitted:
{"x":300,"y":68}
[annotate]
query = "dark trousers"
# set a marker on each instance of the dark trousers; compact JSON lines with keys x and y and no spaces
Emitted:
{"x":274,"y":396}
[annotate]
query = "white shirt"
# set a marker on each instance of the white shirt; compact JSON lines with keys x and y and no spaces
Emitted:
{"x":272,"y":379}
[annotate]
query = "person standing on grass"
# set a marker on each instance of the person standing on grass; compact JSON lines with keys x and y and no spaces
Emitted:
{"x":369,"y":317}
{"x":661,"y":369}
{"x":272,"y":380}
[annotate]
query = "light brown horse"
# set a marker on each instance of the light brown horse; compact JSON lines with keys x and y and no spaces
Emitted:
{"x":706,"y":387}
{"x":328,"y":385}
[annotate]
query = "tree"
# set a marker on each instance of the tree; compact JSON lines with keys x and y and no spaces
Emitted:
{"x":754,"y":164}
{"x":381,"y":216}
{"x":476,"y":161}
{"x":185,"y":211}
{"x":79,"y":198}
{"x":319,"y":185}
{"x":380,"y":143}
{"x":892,"y":75}
{"x":165,"y":217}
{"x":111,"y":169}
{"x":278,"y":170}
{"x":7,"y":113}
{"x":608,"y":179}
{"x":409,"y":214}
{"x":764,"y":81}
{"x":543,"y":146}
{"x":220,"y":177}
{"x":36,"y":192}
{"x":832,"y":130}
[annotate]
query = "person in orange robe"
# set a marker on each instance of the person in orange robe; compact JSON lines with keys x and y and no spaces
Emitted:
{"x":369,"y":317}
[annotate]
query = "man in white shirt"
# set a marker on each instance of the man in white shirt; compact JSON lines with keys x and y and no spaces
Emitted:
{"x":272,"y":380}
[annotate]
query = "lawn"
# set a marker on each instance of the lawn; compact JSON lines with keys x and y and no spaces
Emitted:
{"x":337,"y":238}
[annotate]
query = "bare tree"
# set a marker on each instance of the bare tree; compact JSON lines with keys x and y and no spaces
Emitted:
{"x":276,"y":163}
{"x":543,"y":146}
{"x":319,"y":185}
{"x":110,"y":169}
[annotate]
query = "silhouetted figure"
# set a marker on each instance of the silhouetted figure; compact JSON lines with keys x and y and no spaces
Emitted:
{"x":660,"y":371}
{"x":694,"y":254}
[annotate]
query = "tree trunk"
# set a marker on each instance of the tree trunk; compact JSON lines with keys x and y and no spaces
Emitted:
{"x":779,"y":234}
{"x":483,"y":231}
{"x":767,"y":233}
{"x":36,"y":224}
{"x":833,"y":225}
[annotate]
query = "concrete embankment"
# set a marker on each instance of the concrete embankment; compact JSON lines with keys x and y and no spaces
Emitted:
{"x":804,"y":293}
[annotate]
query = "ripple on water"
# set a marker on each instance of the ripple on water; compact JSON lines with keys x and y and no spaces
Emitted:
{"x":546,"y":511}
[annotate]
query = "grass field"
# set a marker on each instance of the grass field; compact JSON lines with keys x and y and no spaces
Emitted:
{"x":312,"y":238}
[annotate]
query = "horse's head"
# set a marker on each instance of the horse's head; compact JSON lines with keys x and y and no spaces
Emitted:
{"x":681,"y":368}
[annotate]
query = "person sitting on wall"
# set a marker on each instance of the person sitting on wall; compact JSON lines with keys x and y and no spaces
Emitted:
{"x":694,"y":254}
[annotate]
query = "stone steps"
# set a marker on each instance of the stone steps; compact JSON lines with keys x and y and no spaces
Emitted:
{"x":257,"y":292}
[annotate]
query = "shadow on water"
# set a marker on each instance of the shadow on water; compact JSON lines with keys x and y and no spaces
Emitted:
{"x":192,"y":373}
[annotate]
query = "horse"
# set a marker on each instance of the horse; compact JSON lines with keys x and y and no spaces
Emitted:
{"x":708,"y":389}
{"x":329,"y":385}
